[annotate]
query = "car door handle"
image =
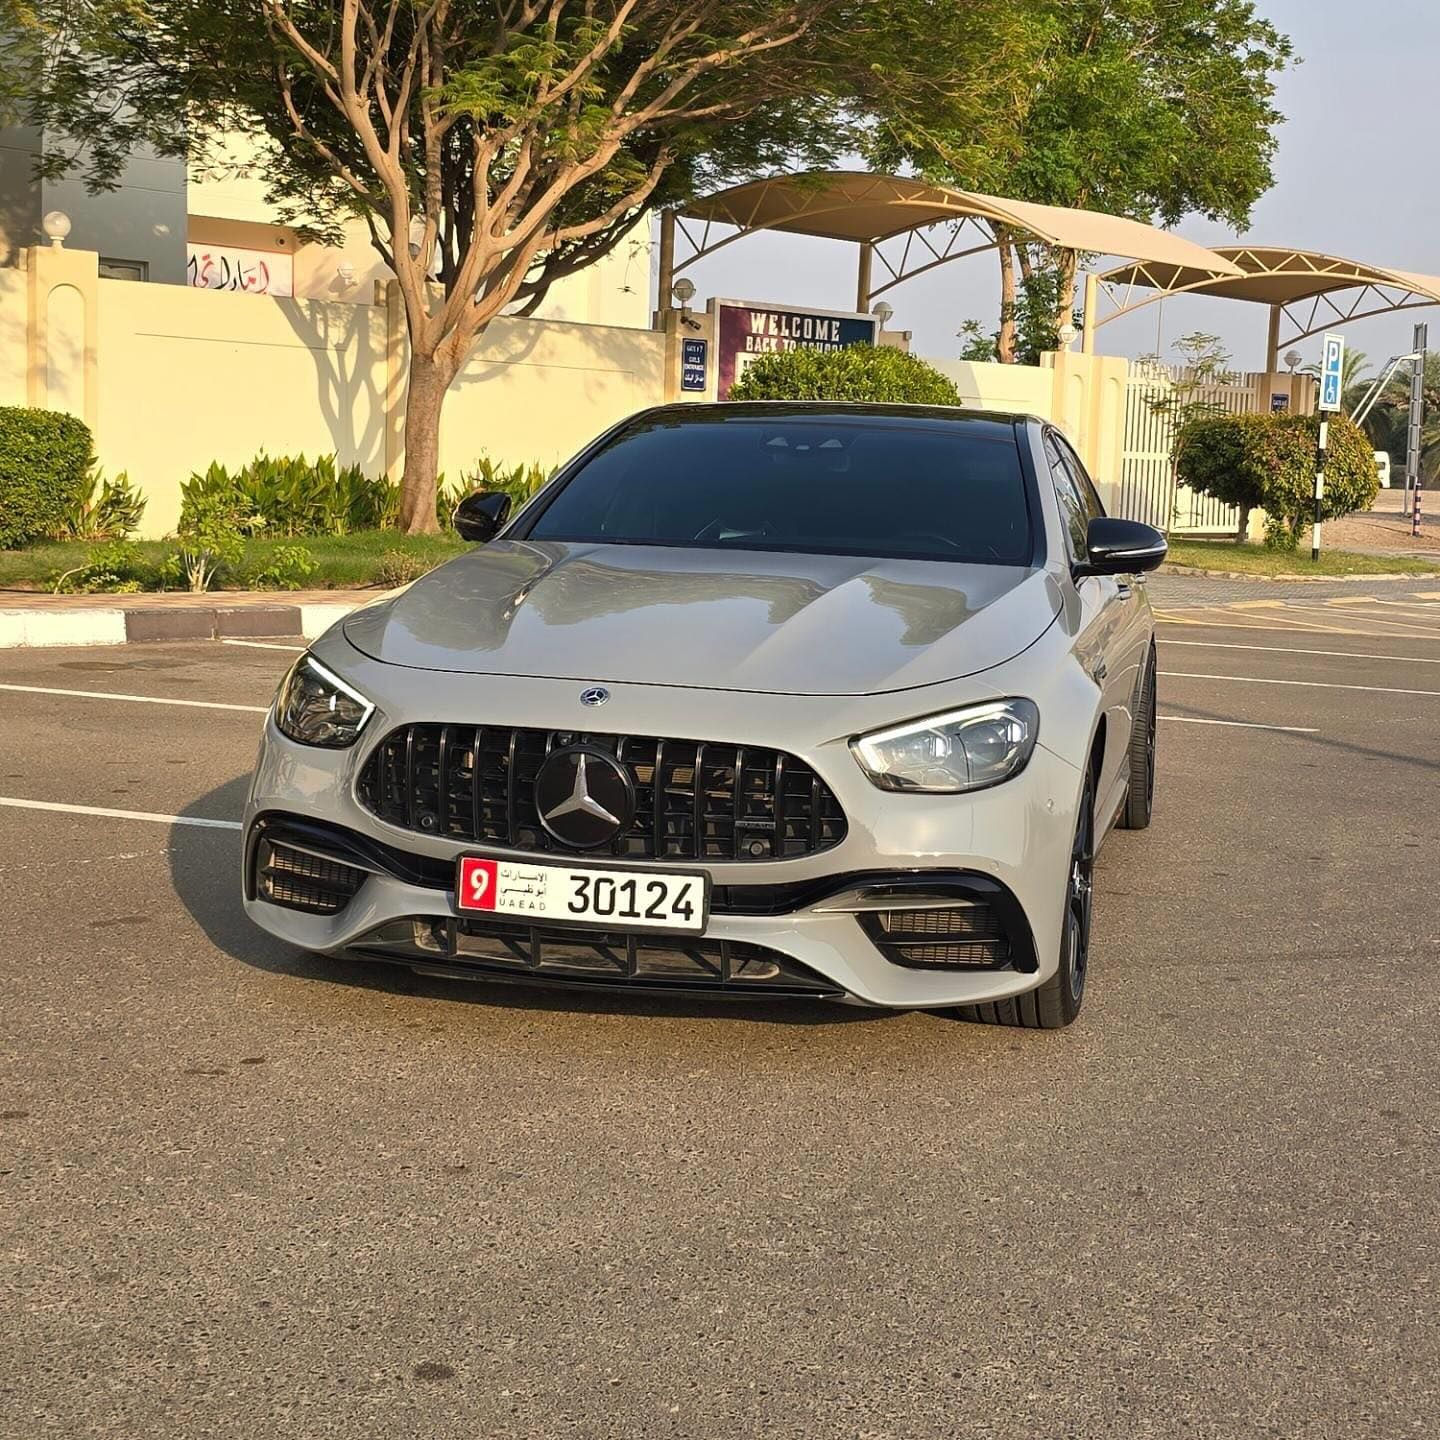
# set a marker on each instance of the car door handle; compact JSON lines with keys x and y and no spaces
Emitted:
{"x":1123,"y":590}
{"x":1100,"y":671}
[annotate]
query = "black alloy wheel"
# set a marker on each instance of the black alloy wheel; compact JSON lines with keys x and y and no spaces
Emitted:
{"x":1057,"y":1002}
{"x":1140,"y":795}
{"x":1080,"y":902}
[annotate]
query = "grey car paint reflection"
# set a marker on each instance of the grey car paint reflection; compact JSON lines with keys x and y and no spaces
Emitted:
{"x":791,"y":624}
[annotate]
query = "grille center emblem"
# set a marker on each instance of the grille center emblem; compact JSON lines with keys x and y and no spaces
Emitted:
{"x":585,"y":797}
{"x":595,"y":695}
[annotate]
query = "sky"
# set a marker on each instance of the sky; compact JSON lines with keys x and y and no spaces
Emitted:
{"x":1354,"y":176}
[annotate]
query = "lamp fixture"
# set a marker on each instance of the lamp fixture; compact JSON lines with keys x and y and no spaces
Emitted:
{"x":56,"y":226}
{"x":882,"y":311}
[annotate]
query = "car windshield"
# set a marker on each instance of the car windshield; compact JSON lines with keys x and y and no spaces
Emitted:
{"x":887,"y":486}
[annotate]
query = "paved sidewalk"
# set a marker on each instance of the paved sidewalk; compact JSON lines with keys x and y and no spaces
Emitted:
{"x":33,"y":619}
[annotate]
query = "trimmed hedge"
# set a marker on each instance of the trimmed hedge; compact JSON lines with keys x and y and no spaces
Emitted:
{"x":877,"y":373}
{"x":45,"y":463}
{"x":1267,"y":462}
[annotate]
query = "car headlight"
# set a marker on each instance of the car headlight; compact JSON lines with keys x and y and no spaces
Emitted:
{"x":965,"y":749}
{"x":316,"y":707}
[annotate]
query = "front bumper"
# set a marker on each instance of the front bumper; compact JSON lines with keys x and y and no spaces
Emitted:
{"x":1014,"y":838}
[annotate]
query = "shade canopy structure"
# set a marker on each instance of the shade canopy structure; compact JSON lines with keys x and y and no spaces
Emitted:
{"x":1305,"y":290}
{"x":872,"y":210}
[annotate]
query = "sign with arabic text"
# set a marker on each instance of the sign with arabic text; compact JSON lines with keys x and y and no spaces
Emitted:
{"x":232,"y":267}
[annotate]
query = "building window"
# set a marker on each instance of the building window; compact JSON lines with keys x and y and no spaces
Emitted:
{"x":124,"y":269}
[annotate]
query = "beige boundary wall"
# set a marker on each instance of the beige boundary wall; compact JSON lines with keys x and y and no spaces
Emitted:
{"x":171,"y":378}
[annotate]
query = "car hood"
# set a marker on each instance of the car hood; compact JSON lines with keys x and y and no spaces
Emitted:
{"x":708,"y":619}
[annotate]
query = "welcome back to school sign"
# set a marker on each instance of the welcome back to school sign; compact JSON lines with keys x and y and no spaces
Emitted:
{"x":744,"y":330}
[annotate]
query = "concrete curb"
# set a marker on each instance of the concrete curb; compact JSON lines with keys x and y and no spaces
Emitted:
{"x":138,"y":623}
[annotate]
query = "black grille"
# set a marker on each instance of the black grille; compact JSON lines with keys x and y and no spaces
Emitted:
{"x":514,"y":949}
{"x":695,"y":801}
{"x":968,"y":936}
{"x":299,"y":880}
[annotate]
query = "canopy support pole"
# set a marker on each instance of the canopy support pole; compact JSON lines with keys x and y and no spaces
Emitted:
{"x":1272,"y":344}
{"x":862,"y":278}
{"x":1091,"y":315}
{"x":667,"y":259}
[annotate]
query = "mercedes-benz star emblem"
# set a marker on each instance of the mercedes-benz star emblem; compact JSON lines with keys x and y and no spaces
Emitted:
{"x":585,"y":797}
{"x":595,"y":695}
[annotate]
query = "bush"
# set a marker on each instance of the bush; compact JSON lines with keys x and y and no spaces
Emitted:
{"x":46,"y":460}
{"x":210,"y":542}
{"x":875,"y":373}
{"x":287,"y":568}
{"x":112,"y":514}
{"x":1268,"y":462}
{"x":290,"y":495}
{"x":117,"y":567}
{"x":400,"y":567}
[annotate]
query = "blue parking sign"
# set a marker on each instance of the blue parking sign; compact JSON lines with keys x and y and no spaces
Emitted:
{"x":1332,"y":372}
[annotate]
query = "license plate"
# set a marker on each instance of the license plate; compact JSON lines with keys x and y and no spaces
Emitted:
{"x":584,"y":894}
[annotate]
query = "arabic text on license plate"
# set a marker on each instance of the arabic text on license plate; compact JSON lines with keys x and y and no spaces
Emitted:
{"x":628,"y":899}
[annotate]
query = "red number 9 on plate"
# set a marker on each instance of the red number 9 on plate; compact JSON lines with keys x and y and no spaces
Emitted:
{"x":477,"y":884}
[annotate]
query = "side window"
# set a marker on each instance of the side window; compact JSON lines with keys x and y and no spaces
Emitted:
{"x":1088,"y":493}
{"x":1067,"y":490}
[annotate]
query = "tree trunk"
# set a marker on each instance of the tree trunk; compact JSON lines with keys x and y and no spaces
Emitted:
{"x":1005,"y":340}
{"x":1065,"y":298}
{"x":430,"y":378}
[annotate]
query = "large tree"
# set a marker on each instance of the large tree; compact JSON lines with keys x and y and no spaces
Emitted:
{"x":493,"y":147}
{"x":1152,"y":109}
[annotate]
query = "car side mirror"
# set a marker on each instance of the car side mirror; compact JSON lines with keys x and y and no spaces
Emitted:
{"x":1121,"y":547}
{"x":480,"y":517}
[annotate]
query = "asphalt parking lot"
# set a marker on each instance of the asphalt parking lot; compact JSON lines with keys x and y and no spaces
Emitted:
{"x":246,"y":1192}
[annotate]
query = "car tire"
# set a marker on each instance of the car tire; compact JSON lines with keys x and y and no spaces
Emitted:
{"x":1053,"y":1005}
{"x":1140,"y":794}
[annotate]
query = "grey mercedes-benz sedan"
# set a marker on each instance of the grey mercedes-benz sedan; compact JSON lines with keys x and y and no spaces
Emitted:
{"x":793,"y":700}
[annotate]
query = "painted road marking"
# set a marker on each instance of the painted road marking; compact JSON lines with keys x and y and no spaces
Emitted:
{"x":1305,"y":684}
{"x":265,"y":645}
{"x":1239,"y":724}
{"x":15,"y":803}
{"x":134,"y":699}
{"x":1298,"y":650}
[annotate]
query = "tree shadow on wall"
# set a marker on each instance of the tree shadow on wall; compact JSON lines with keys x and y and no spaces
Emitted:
{"x":347,"y":345}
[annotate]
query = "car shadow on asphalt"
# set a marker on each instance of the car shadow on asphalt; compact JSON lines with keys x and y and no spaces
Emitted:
{"x":205,"y":871}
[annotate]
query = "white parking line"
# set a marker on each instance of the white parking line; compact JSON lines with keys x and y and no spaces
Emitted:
{"x":1239,"y":724}
{"x":1306,"y":684}
{"x":1298,"y":650}
{"x":265,"y":645}
{"x":134,"y":699}
{"x":15,"y":803}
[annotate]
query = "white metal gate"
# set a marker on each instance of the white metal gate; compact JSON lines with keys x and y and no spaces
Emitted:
{"x":1148,"y":488}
